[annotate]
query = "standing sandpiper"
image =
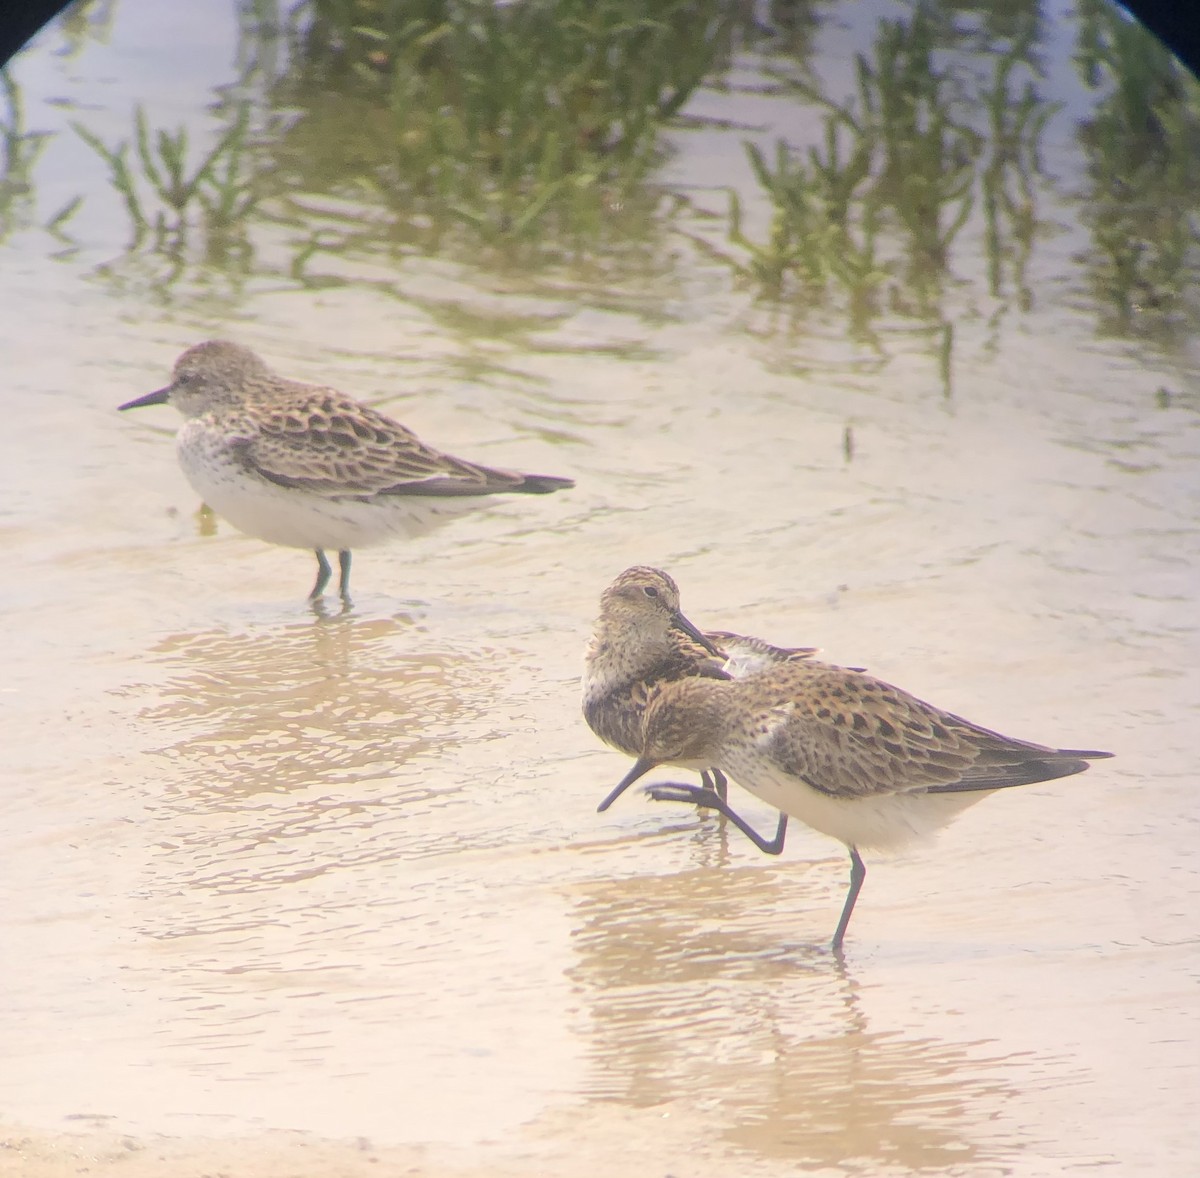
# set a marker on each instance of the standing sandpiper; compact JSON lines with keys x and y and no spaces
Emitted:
{"x":853,"y":757}
{"x":308,"y":467}
{"x":641,"y":640}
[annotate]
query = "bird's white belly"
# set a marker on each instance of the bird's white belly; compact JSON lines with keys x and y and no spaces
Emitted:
{"x":297,"y":518}
{"x":883,"y":820}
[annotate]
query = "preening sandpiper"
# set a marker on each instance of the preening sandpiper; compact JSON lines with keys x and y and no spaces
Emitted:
{"x":641,"y":640}
{"x":853,"y":757}
{"x":308,"y":467}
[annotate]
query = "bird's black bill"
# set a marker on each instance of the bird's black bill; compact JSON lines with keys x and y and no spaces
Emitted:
{"x":681,"y":623}
{"x":641,"y":767}
{"x":158,"y":397}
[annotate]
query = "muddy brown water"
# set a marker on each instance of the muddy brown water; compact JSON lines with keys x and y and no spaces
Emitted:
{"x":278,"y":884}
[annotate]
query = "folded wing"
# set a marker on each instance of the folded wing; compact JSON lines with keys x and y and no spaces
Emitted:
{"x":850,"y":735}
{"x":334,"y":446}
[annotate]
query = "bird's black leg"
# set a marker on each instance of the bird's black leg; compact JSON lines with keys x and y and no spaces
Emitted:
{"x":670,"y":792}
{"x":324,"y":572}
{"x":715,"y":780}
{"x":344,"y":579}
{"x":857,"y":874}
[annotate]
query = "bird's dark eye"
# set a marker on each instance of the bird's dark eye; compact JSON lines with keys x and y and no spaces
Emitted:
{"x":649,"y":591}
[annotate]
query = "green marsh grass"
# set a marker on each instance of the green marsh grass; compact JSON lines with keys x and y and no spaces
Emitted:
{"x":529,"y":127}
{"x":868,"y":217}
{"x":19,"y":152}
{"x":166,"y":197}
{"x":1143,"y":147}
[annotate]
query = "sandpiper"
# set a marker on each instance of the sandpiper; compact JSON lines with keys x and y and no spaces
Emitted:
{"x":642,"y":640}
{"x":853,"y":757}
{"x":308,"y":467}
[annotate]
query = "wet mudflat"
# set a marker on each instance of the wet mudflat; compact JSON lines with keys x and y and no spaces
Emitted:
{"x":323,"y":890}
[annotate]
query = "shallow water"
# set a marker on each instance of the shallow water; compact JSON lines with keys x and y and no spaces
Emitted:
{"x":268,"y":868}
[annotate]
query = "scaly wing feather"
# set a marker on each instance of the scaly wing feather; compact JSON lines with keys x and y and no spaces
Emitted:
{"x":850,"y":735}
{"x":329,"y":444}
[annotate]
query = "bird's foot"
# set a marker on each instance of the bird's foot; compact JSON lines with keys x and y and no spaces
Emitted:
{"x":672,"y":791}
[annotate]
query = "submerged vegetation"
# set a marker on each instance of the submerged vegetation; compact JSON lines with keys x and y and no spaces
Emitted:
{"x":166,"y":198}
{"x":1143,"y":148}
{"x":901,"y":167}
{"x":509,"y":122}
{"x":19,"y":152}
{"x":513,"y":136}
{"x":530,"y":131}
